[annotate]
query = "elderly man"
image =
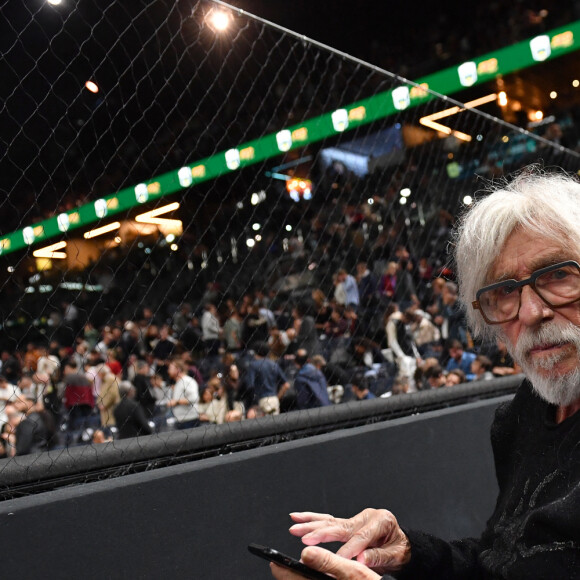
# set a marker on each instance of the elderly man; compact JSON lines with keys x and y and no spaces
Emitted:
{"x":518,"y":265}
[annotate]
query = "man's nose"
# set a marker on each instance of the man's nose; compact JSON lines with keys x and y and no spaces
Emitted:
{"x":533,"y":309}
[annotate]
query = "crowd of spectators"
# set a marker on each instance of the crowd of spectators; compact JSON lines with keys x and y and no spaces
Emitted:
{"x":387,"y":328}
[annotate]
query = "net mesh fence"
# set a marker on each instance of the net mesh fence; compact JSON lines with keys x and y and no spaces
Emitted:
{"x":190,"y":191}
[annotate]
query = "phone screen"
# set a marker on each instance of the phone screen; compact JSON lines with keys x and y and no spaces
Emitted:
{"x":274,"y":556}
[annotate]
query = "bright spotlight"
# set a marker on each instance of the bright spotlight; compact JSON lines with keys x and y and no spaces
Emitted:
{"x":54,"y":2}
{"x":92,"y":87}
{"x":219,"y":20}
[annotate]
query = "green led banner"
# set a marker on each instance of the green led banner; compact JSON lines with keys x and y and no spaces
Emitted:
{"x":449,"y":81}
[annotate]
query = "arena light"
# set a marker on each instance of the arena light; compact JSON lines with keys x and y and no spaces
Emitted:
{"x":51,"y":251}
{"x":150,"y":217}
{"x":218,"y":20}
{"x":429,"y":120}
{"x":92,"y":87}
{"x":102,"y":230}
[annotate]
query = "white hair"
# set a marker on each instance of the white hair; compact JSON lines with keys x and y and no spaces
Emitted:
{"x":534,"y":201}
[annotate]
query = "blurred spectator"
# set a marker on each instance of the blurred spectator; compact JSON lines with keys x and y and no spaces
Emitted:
{"x":454,"y":324}
{"x":360,"y":389}
{"x":426,"y":335}
{"x":143,"y":388}
{"x":400,"y":341}
{"x":109,"y":396}
{"x":163,"y":350}
{"x":267,"y":380}
{"x":481,"y":368}
{"x":10,"y":394}
{"x":211,"y":330}
{"x":36,"y":430}
{"x":47,"y":363}
{"x":435,"y":377}
{"x":459,"y":359}
{"x":388,"y":282}
{"x":129,"y":415}
{"x":232,"y":331}
{"x":305,"y":327}
{"x":455,"y":377}
{"x":79,"y":400}
{"x":185,"y":395}
{"x":309,"y":384}
{"x":350,"y":288}
{"x":502,"y":362}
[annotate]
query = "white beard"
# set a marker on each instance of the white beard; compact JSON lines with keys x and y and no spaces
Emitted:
{"x":557,"y":389}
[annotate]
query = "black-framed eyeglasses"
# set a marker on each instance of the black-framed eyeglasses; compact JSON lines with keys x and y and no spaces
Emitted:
{"x":557,"y":286}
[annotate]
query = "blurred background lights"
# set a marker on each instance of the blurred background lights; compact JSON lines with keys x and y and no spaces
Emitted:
{"x":250,"y":242}
{"x":170,"y":238}
{"x":256,"y":227}
{"x":54,"y":2}
{"x":288,"y":228}
{"x":468,"y":200}
{"x":403,"y":200}
{"x":174,"y":247}
{"x":575,"y":83}
{"x":258,"y":197}
{"x":502,"y":99}
{"x":92,"y":87}
{"x":553,"y":95}
{"x":405,"y":192}
{"x":258,"y":238}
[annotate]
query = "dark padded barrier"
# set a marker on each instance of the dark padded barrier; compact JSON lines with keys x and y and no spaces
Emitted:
{"x":35,"y":473}
{"x":194,"y":520}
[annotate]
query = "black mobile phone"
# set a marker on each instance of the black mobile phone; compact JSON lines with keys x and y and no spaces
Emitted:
{"x":274,"y":556}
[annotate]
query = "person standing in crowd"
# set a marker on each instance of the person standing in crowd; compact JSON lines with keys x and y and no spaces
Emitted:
{"x":305,"y":327}
{"x":518,"y":267}
{"x":109,"y":395}
{"x":163,"y":350}
{"x":453,"y":323}
{"x":36,"y":430}
{"x":309,"y":384}
{"x":401,"y":342}
{"x":129,"y":415}
{"x":267,"y":380}
{"x":350,"y":288}
{"x":143,"y":388}
{"x":211,"y":330}
{"x":185,"y":396}
{"x":79,"y":398}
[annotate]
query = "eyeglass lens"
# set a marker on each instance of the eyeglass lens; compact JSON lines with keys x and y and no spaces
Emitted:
{"x":557,"y":287}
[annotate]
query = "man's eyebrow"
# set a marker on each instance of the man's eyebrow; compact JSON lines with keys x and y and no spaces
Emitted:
{"x":535,"y":264}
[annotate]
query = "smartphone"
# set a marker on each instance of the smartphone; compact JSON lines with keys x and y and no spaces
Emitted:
{"x":274,"y":556}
